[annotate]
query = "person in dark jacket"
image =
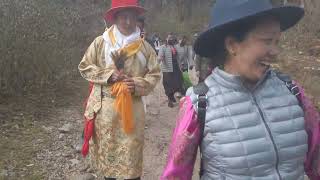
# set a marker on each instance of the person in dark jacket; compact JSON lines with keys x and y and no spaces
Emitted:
{"x":172,"y":75}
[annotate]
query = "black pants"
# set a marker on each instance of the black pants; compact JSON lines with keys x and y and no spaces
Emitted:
{"x":172,"y":83}
{"x":126,"y":179}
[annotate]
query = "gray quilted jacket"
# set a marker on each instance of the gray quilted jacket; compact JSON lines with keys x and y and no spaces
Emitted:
{"x":255,"y":134}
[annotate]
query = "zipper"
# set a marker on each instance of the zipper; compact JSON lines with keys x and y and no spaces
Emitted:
{"x":271,"y":137}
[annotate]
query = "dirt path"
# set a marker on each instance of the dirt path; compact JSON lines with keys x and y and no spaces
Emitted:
{"x":40,"y":138}
{"x":40,"y":132}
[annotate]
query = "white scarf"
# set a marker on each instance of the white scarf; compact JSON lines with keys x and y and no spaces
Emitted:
{"x":121,"y":41}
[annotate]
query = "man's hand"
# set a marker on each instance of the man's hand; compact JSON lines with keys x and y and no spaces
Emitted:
{"x":130,"y":83}
{"x":116,"y":76}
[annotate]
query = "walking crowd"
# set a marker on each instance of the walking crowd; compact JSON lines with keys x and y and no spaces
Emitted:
{"x":248,"y":120}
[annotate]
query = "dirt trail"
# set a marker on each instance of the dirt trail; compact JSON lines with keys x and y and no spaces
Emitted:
{"x":40,"y":132}
{"x":40,"y":137}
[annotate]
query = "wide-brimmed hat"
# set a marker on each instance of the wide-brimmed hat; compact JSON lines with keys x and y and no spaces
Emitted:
{"x":118,"y":5}
{"x":225,"y":13}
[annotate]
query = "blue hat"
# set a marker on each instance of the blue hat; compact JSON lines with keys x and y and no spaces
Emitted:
{"x":227,"y":12}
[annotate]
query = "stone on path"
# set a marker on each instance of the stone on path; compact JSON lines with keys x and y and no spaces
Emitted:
{"x":3,"y":173}
{"x":86,"y":176}
{"x":74,"y":162}
{"x":78,"y":148}
{"x":65,"y":128}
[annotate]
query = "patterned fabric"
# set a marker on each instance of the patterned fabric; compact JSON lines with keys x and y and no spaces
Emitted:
{"x":165,"y":55}
{"x":113,"y":152}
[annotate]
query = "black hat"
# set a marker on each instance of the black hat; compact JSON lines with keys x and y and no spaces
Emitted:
{"x":227,"y":12}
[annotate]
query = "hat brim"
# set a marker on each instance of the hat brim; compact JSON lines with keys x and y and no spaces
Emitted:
{"x":207,"y":41}
{"x":109,"y":16}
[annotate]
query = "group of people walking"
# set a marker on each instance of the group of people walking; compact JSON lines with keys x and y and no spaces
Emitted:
{"x":249,"y":121}
{"x":175,"y":59}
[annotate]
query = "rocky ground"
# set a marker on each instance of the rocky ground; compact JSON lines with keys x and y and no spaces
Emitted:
{"x":41,"y":136}
{"x":40,"y":133}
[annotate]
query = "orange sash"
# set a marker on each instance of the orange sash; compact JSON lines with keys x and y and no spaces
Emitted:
{"x":123,"y":101}
{"x":123,"y":105}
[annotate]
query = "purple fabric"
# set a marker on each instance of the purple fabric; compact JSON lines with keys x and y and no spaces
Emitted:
{"x":184,"y":144}
{"x":312,"y":120}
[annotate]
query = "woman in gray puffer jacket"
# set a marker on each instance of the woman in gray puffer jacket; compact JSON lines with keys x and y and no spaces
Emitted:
{"x":254,"y":126}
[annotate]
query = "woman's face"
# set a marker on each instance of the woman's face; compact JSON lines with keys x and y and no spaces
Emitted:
{"x":252,"y":57}
{"x":126,"y":21}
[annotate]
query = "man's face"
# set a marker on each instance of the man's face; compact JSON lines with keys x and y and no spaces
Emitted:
{"x":126,"y":21}
{"x":170,"y":40}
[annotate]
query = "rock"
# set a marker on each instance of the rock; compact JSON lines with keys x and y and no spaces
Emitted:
{"x":29,"y":165}
{"x":2,"y":116}
{"x":84,"y":167}
{"x":12,"y":174}
{"x":48,"y":129}
{"x":86,"y":176}
{"x":65,"y":128}
{"x":74,"y":162}
{"x":300,"y":52}
{"x":78,"y":148}
{"x":3,"y":173}
{"x":67,"y":155}
{"x":61,"y":136}
{"x":314,"y":51}
{"x":16,"y":117}
{"x":16,"y":126}
{"x":90,"y":170}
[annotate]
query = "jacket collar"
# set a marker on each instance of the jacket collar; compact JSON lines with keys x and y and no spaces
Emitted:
{"x":234,"y":81}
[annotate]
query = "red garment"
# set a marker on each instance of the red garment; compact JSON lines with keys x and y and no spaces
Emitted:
{"x":88,"y":132}
{"x":88,"y":127}
{"x":173,"y":50}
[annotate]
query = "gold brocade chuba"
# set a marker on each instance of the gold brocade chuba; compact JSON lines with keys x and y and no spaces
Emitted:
{"x":115,"y":153}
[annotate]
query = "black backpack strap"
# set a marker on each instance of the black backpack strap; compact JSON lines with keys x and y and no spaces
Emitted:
{"x":202,"y":103}
{"x":294,"y":89}
{"x":201,"y":91}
